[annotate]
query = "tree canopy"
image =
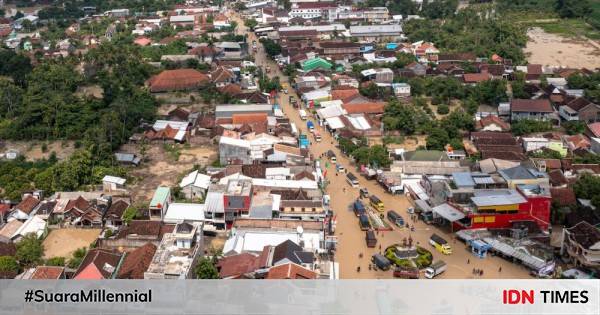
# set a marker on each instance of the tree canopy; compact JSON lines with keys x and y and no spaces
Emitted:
{"x":206,"y":269}
{"x":29,"y":250}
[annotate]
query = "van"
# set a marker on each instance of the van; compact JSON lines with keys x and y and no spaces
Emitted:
{"x":376,"y":203}
{"x":370,"y":239}
{"x":352,"y":180}
{"x":302,"y":113}
{"x":395,"y":218}
{"x":440,"y":244}
{"x":381,"y":262}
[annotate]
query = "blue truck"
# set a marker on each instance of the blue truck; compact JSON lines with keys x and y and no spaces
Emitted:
{"x":358,"y":207}
{"x":303,"y":141}
{"x":310,"y":125}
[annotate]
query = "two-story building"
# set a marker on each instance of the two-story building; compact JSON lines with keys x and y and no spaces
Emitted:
{"x":534,"y":109}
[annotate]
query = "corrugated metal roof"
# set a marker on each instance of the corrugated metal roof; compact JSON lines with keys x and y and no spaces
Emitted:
{"x":497,"y":197}
{"x":448,"y":212}
{"x":463,"y":179}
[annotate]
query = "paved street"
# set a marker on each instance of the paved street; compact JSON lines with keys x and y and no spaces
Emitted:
{"x":351,"y":240}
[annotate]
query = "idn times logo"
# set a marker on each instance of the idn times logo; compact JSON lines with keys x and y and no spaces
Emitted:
{"x":513,"y":296}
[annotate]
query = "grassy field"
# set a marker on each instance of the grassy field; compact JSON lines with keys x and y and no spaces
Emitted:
{"x":569,"y":28}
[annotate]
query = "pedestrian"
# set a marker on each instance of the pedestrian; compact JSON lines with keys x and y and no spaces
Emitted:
{"x":500,"y":269}
{"x":481,"y":272}
{"x":468,"y":261}
{"x":380,"y":246}
{"x":473,"y":272}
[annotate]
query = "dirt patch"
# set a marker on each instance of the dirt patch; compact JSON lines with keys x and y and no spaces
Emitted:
{"x":166,"y":166}
{"x":554,"y":50}
{"x":63,"y":242}
{"x":34,"y":150}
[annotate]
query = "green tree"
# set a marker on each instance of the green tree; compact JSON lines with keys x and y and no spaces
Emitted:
{"x":56,"y":261}
{"x":573,"y":8}
{"x":206,"y":269}
{"x":526,"y":126}
{"x":250,"y":23}
{"x":8,"y":264}
{"x":272,"y":48}
{"x":574,"y":127}
{"x":588,"y":187}
{"x":443,"y":109}
{"x":77,"y":258}
{"x":130,"y":213}
{"x":437,"y":139}
{"x":30,"y":250}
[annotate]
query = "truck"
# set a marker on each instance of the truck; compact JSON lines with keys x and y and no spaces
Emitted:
{"x":358,"y":208}
{"x":440,"y":244}
{"x":435,"y":269}
{"x":406,"y":272}
{"x":302,"y":114}
{"x":395,"y":218}
{"x":294,"y":129}
{"x":381,"y":262}
{"x":310,"y":125}
{"x":370,"y":239}
{"x":303,"y":141}
{"x":364,"y":223}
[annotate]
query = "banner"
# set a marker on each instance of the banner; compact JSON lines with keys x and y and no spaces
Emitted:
{"x":415,"y":297}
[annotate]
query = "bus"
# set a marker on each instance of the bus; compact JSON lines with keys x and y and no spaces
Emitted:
{"x":376,"y":203}
{"x":352,"y":180}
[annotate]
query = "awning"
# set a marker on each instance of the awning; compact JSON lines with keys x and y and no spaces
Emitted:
{"x":448,"y":212}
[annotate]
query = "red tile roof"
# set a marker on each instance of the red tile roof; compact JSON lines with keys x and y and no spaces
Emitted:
{"x":490,"y":120}
{"x":47,"y":273}
{"x":231,"y":89}
{"x":290,"y":271}
{"x":142,"y":41}
{"x":237,"y":265}
{"x":4,"y":208}
{"x":365,"y":108}
{"x":526,"y":105}
{"x":563,"y":196}
{"x":137,"y":262}
{"x":28,"y":204}
{"x":594,"y":129}
{"x":179,"y":79}
{"x":344,"y":94}
{"x":534,"y":69}
{"x":476,"y":77}
{"x":105,"y":262}
{"x":238,"y":119}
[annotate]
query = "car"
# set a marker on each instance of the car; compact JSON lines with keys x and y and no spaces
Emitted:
{"x":285,"y":91}
{"x":410,"y":210}
{"x":364,"y":193}
{"x":340,"y":168}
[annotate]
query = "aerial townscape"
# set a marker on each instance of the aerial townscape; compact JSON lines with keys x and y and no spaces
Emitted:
{"x":299,"y":139}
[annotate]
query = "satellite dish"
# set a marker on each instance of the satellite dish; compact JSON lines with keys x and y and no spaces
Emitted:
{"x":299,"y":229}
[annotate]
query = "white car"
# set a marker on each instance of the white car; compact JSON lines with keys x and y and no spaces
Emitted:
{"x":410,"y":210}
{"x":285,"y":91}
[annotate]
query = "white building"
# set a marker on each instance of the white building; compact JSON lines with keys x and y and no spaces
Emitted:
{"x":195,"y":185}
{"x":184,"y":212}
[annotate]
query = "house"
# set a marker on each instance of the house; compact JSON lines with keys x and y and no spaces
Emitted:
{"x":238,"y":266}
{"x":222,"y":76}
{"x":581,"y":243}
{"x":290,"y":271}
{"x":114,"y":214}
{"x":535,"y":109}
{"x":378,"y":75}
{"x":9,"y":229}
{"x":160,"y":202}
{"x":580,"y":109}
{"x":491,"y":123}
{"x":25,"y":209}
{"x":43,"y":273}
{"x":177,"y":80}
{"x":182,"y":20}
{"x":195,"y":185}
{"x":339,"y":49}
{"x":496,"y":145}
{"x":456,"y":58}
{"x":127,"y":158}
{"x":136,"y":262}
{"x":593,"y":130}
{"x":184,"y":212}
{"x":136,"y":234}
{"x":229,"y":50}
{"x":401,"y":89}
{"x":418,"y":69}
{"x":520,"y":175}
{"x":474,"y":78}
{"x":4,"y":212}
{"x":98,"y":264}
{"x":310,"y":10}
{"x":177,"y":254}
{"x":234,"y":149}
{"x":374,"y":33}
{"x":113,"y":184}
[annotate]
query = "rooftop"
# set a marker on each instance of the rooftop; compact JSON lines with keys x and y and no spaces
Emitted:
{"x":170,"y":260}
